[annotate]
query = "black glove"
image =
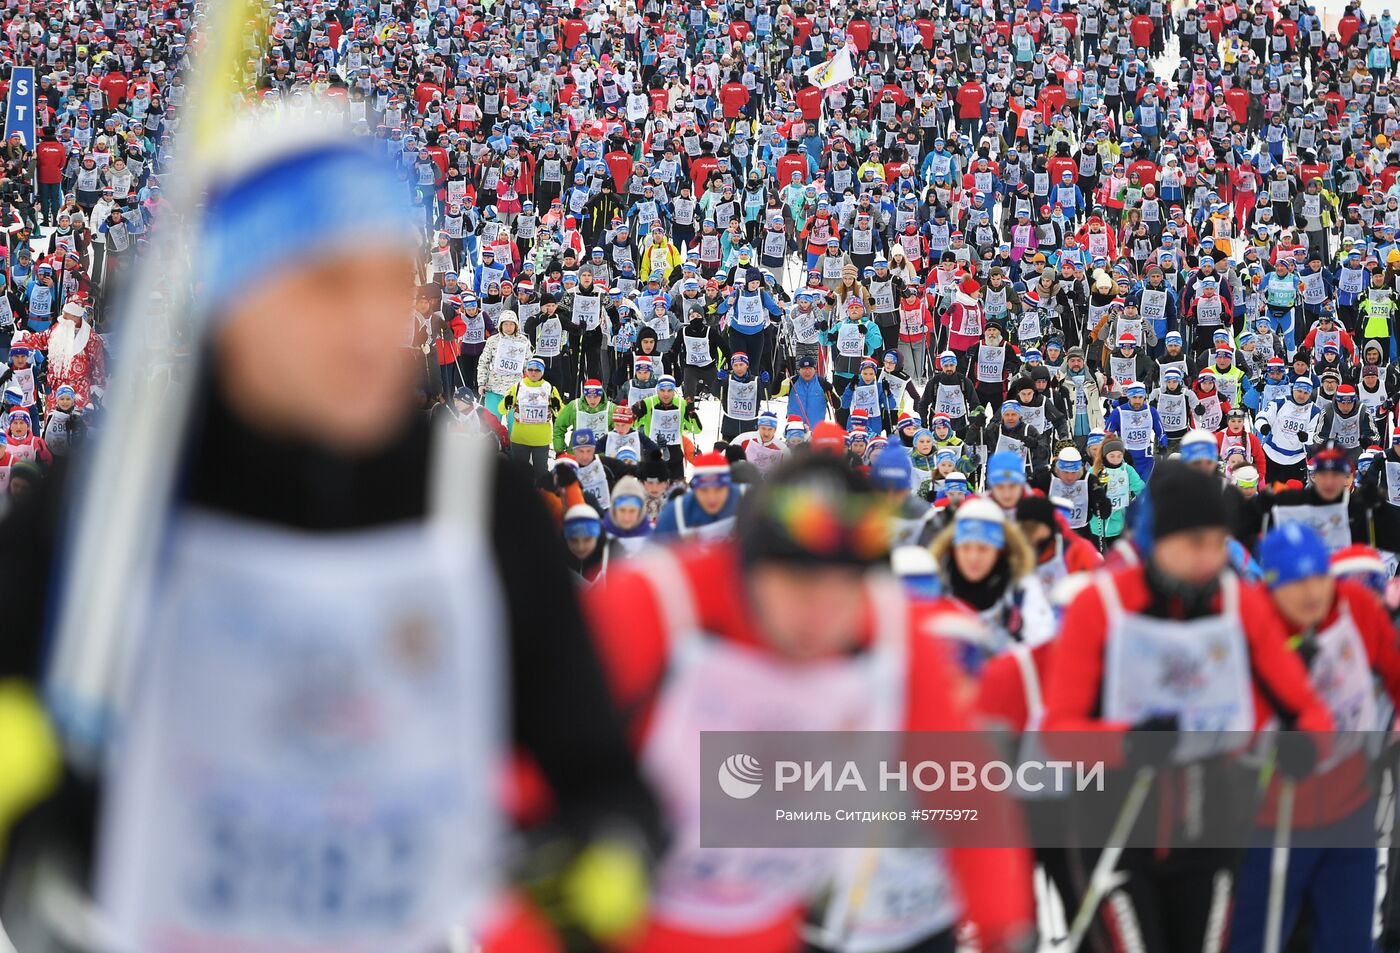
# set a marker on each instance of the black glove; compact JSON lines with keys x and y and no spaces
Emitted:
{"x":1307,"y":650}
{"x":1151,"y":741}
{"x":565,"y":476}
{"x":1295,"y":756}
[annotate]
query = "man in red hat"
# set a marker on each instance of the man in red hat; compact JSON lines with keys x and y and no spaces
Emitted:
{"x":73,"y":351}
{"x":707,"y":510}
{"x":964,"y":317}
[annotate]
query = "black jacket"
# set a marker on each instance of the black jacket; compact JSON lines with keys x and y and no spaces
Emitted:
{"x":561,"y":714}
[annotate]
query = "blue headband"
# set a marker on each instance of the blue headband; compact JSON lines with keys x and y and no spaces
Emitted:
{"x":1193,"y":452}
{"x":979,"y":531}
{"x":582,"y":528}
{"x":711,"y":479}
{"x":1000,"y":476}
{"x":329,"y":197}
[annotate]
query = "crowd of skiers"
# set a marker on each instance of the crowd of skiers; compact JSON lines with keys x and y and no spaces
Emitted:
{"x":87,"y":138}
{"x":1107,"y":337}
{"x":927,"y":366}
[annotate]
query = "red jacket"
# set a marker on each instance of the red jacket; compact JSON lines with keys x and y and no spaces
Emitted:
{"x":1002,"y":686}
{"x":1325,"y":798}
{"x":733,"y":97}
{"x":1074,"y":690}
{"x":1253,"y":450}
{"x":115,"y":86}
{"x":1347,"y":344}
{"x":1080,"y":554}
{"x":970,"y":97}
{"x":809,"y":101}
{"x":925,"y":320}
{"x":629,"y":625}
{"x":1141,"y":27}
{"x":50,"y":157}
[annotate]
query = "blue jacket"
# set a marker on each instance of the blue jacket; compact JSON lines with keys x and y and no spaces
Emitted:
{"x":808,"y":400}
{"x":668,"y":526}
{"x":769,"y":305}
{"x":1114,"y":423}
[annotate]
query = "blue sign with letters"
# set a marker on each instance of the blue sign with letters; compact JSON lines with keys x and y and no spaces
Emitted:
{"x":19,"y":106}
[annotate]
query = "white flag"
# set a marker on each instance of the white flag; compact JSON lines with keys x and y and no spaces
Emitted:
{"x":834,"y":71}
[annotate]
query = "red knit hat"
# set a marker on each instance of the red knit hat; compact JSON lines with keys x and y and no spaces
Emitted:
{"x":829,"y":436}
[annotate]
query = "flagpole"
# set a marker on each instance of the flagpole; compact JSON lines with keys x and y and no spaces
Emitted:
{"x":109,"y":547}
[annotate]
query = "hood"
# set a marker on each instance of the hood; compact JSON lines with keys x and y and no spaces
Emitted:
{"x":1018,"y":554}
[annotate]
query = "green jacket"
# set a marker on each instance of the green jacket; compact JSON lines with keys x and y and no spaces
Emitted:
{"x":1378,"y":314}
{"x":690,"y":421}
{"x":1119,"y":479}
{"x":568,"y":418}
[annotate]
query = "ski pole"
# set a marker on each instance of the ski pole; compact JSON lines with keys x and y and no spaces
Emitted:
{"x":1278,"y":869}
{"x":1101,"y":879}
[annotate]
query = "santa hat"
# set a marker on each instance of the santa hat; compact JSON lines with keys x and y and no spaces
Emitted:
{"x":74,"y":308}
{"x":593,"y":386}
{"x":1357,"y":560}
{"x":828,"y":436}
{"x":794,"y":425}
{"x":711,"y":469}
